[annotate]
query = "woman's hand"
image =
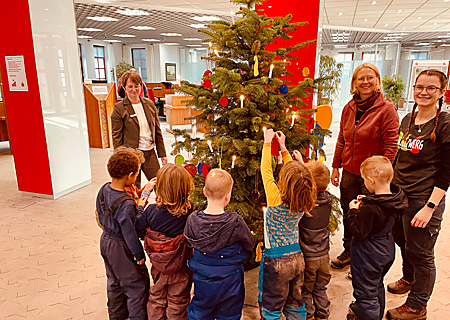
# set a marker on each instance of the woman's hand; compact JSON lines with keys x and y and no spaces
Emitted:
{"x":298,"y":156}
{"x":164,"y":160}
{"x":268,"y":136}
{"x":281,"y":140}
{"x":422,"y":217}
{"x":335,"y":177}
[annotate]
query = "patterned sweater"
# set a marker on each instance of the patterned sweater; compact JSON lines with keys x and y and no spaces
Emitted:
{"x":280,"y":227}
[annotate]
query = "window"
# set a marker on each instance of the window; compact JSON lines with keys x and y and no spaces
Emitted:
{"x":419,"y":55}
{"x":99,"y":61}
{"x":344,"y":57}
{"x":370,"y":56}
{"x":138,"y":56}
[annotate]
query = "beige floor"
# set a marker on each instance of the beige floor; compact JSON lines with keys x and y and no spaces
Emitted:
{"x":50,"y":266}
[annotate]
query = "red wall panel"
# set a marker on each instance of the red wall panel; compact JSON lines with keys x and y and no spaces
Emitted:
{"x":24,"y":107}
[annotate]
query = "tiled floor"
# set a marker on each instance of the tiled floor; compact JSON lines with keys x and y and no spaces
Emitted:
{"x":50,"y":266}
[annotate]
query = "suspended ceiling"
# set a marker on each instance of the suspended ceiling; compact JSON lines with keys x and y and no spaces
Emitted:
{"x":343,"y":21}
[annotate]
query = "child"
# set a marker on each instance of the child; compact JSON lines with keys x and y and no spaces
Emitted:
{"x":372,"y":248}
{"x":220,"y":240}
{"x":315,"y":245}
{"x":165,"y":244}
{"x":128,"y":281}
{"x":282,"y":265}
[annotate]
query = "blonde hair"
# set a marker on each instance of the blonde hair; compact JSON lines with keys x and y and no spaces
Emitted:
{"x":218,"y":184}
{"x":368,"y":65}
{"x":379,"y":168}
{"x":297,"y":187}
{"x":173,"y":185}
{"x":320,"y":173}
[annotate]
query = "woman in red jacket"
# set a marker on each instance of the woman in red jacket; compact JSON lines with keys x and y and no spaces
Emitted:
{"x":369,"y":126}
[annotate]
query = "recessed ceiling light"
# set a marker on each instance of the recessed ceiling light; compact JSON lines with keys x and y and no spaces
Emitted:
{"x":89,"y":29}
{"x":151,"y":40}
{"x":142,"y":28}
{"x":444,"y":36}
{"x":192,"y":39}
{"x":435,"y":23}
{"x":365,"y":20}
{"x":198,"y":26}
{"x":206,"y":18}
{"x":419,"y":18}
{"x":340,"y":13}
{"x":124,"y":36}
{"x":399,"y":11}
{"x":423,"y":44}
{"x":171,"y":34}
{"x":84,"y":37}
{"x":445,"y":44}
{"x":373,"y":2}
{"x":446,"y":0}
{"x":112,"y":40}
{"x":194,"y":45}
{"x":132,"y":12}
{"x":403,"y":28}
{"x":172,"y":44}
{"x":386,"y":24}
{"x":201,"y":49}
{"x":102,"y":18}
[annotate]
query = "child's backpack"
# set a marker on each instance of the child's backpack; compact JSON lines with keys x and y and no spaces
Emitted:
{"x":113,"y":207}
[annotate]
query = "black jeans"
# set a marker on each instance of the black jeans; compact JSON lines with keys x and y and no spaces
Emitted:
{"x":351,"y":186}
{"x":150,"y":167}
{"x":417,"y":247}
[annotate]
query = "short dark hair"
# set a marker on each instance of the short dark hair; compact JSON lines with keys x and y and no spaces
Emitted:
{"x":133,"y":76}
{"x":124,"y":161}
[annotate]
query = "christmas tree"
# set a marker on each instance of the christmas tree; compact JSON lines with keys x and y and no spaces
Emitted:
{"x":247,"y":91}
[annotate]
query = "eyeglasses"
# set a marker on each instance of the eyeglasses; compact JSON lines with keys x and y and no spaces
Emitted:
{"x":368,"y":78}
{"x":430,"y":89}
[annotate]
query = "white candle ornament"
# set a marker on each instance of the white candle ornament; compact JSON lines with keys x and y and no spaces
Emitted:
{"x":264,"y":210}
{"x":293,"y":119}
{"x":232,"y":162}
{"x":216,"y":52}
{"x":264,"y":130}
{"x":210,"y":146}
{"x":242,"y":100}
{"x":271,"y":70}
{"x":232,"y":16}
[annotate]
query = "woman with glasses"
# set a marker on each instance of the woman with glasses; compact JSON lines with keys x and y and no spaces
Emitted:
{"x":369,"y":126}
{"x":422,"y":170}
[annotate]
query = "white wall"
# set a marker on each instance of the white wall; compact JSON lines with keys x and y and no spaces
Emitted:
{"x":60,"y":86}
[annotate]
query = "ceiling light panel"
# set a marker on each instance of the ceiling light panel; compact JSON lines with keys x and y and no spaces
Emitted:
{"x":171,"y":34}
{"x":90,"y":29}
{"x":151,"y":40}
{"x":142,"y":28}
{"x":132,"y":12}
{"x":102,"y":19}
{"x":125,"y":35}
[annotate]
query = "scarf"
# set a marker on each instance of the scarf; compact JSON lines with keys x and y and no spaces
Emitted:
{"x":365,"y":104}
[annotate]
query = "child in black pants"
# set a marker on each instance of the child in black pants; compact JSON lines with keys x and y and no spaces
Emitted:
{"x":315,"y":245}
{"x":128,"y":281}
{"x":372,"y":249}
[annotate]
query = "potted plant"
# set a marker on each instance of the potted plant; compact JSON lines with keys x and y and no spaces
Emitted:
{"x":121,"y":68}
{"x":393,"y":88}
{"x":327,"y":83}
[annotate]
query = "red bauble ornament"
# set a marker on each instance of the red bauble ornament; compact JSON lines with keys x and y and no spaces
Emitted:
{"x":207,"y":83}
{"x":191,"y":169}
{"x":223,"y":101}
{"x":206,"y":168}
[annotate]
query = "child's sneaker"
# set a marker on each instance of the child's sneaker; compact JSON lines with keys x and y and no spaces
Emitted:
{"x":400,"y":286}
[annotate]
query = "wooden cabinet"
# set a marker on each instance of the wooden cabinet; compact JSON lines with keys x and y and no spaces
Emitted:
{"x":176,"y":110}
{"x":98,"y":114}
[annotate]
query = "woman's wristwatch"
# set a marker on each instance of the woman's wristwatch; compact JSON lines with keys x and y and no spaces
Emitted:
{"x":431,"y":205}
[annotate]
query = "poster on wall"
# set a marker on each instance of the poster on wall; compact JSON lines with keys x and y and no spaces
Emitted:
{"x":15,"y":69}
{"x":418,"y":66}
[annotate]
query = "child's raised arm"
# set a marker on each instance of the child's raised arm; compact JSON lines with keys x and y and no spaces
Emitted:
{"x":272,"y":193}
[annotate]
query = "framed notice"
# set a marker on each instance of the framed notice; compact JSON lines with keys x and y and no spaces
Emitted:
{"x":418,"y":66}
{"x":99,"y":89}
{"x":15,"y":69}
{"x":171,"y":72}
